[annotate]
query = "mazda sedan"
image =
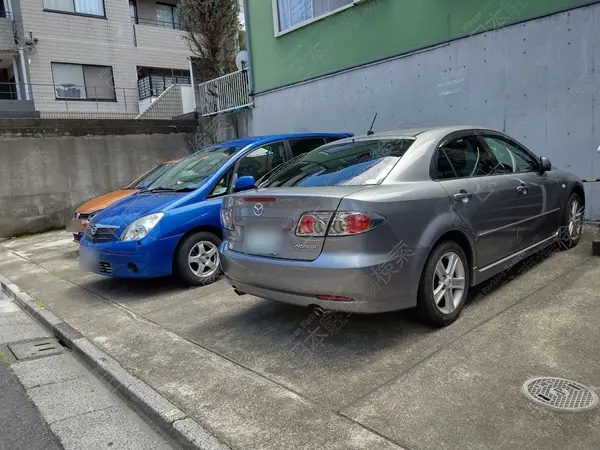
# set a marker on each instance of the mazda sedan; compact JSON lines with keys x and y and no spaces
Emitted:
{"x":397,"y":220}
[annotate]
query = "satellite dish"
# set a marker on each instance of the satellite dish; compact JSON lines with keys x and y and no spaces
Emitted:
{"x":241,"y":60}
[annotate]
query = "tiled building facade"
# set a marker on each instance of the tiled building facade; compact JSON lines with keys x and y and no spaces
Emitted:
{"x":89,"y":58}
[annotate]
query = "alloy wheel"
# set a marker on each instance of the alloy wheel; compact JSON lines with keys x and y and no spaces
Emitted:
{"x":575,"y":220}
{"x":203,"y":259}
{"x":449,"y":283}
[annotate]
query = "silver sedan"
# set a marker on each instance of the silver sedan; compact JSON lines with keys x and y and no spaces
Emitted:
{"x":397,"y":220}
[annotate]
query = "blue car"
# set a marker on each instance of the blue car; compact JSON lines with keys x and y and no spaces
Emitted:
{"x":173,"y":226}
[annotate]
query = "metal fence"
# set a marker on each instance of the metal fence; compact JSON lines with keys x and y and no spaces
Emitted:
{"x":173,"y":25}
{"x":154,"y":85}
{"x":78,"y":102}
{"x":226,"y":93}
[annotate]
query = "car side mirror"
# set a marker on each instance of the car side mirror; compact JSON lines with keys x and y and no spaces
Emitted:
{"x":244,"y":183}
{"x":545,"y":164}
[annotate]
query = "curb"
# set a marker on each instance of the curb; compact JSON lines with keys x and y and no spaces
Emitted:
{"x":154,"y":406}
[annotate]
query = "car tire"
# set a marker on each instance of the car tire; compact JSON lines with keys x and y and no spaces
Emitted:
{"x":195,"y":259}
{"x":572,"y":222}
{"x":440,"y":300}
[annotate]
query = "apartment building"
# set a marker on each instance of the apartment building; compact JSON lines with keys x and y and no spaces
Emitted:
{"x":90,"y":58}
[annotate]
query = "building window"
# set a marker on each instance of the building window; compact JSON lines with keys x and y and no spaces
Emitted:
{"x":294,"y":12}
{"x":133,"y":11}
{"x":167,"y":16}
{"x":82,"y":82}
{"x":85,"y":7}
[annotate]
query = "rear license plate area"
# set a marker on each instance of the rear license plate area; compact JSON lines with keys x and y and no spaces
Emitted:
{"x":263,"y":240}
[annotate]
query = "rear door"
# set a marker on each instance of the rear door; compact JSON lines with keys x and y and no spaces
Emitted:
{"x":482,"y":192}
{"x":540,"y":196}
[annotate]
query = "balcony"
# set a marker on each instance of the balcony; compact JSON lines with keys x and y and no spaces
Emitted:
{"x":227,"y":93}
{"x":154,"y":85}
{"x":156,"y":25}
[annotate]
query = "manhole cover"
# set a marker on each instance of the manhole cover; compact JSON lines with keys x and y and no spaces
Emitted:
{"x":36,"y":349}
{"x":561,"y":394}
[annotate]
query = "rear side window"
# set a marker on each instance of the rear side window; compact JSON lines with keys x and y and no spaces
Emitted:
{"x":301,"y":146}
{"x":352,"y":163}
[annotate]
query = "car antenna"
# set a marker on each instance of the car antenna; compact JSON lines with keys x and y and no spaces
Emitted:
{"x":370,"y":132}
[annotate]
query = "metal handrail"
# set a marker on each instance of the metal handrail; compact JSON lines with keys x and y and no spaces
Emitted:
{"x":225,"y":93}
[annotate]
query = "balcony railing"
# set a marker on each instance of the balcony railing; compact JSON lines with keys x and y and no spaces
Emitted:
{"x":223,"y":94}
{"x":156,"y":23}
{"x":154,"y":85}
{"x":71,"y":101}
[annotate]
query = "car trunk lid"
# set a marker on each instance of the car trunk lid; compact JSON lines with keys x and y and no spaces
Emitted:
{"x":265,"y":221}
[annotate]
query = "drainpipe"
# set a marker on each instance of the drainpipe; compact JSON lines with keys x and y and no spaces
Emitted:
{"x":24,"y":69}
{"x":248,"y":47}
{"x":17,"y":79}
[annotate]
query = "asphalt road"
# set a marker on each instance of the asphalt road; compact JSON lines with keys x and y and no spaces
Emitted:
{"x":21,"y":425}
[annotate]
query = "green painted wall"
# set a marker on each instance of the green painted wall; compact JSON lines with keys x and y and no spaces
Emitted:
{"x":374,"y":30}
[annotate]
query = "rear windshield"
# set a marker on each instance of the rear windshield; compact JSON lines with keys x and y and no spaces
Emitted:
{"x":148,"y":177}
{"x":358,"y":163}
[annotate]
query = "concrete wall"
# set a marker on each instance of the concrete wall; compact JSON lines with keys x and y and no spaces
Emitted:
{"x":42,"y":180}
{"x":538,"y":81}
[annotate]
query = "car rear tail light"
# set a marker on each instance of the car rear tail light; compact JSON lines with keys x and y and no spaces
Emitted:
{"x":227,"y":219}
{"x":313,"y":224}
{"x":344,"y":223}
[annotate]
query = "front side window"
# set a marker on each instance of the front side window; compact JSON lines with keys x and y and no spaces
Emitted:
{"x":519,"y":160}
{"x":359,"y":163}
{"x":87,"y":7}
{"x":293,"y":12}
{"x":167,"y":16}
{"x":261,"y":160}
{"x":465,"y":157}
{"x":193,"y":171}
{"x":82,"y":82}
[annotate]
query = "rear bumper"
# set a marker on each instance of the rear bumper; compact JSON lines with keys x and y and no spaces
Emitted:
{"x":376,"y":283}
{"x":128,"y":259}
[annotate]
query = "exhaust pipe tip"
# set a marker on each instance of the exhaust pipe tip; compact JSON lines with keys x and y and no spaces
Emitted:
{"x":319,"y":312}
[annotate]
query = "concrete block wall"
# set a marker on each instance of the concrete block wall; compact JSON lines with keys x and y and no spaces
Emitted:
{"x":100,"y":41}
{"x":538,"y":81}
{"x":42,"y":181}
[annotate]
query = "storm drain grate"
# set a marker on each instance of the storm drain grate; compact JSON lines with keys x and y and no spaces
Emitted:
{"x":560,"y":394}
{"x":36,"y":349}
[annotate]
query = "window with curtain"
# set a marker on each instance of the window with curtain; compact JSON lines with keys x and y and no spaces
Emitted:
{"x":87,"y":7}
{"x":83,"y":82}
{"x":294,"y":12}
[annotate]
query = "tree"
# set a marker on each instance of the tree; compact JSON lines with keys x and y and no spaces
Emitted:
{"x":212,"y":33}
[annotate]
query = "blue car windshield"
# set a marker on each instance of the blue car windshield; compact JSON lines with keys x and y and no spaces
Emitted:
{"x":352,"y":163}
{"x":193,"y":171}
{"x":145,"y":179}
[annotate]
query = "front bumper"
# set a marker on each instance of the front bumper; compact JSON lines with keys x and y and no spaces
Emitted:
{"x":376,"y":283}
{"x":149,"y":259}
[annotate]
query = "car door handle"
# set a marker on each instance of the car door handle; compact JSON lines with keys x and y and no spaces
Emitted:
{"x":522,"y":189}
{"x":462,"y":195}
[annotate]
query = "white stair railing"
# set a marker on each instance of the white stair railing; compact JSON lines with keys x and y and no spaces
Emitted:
{"x":226,"y":93}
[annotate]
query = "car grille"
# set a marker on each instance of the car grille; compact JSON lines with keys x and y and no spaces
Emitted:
{"x":102,"y":234}
{"x":105,"y":267}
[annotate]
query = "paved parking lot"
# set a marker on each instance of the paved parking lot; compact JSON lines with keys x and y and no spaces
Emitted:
{"x":262,"y":375}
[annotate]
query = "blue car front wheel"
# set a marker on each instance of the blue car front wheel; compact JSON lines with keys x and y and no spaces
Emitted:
{"x":197,"y":259}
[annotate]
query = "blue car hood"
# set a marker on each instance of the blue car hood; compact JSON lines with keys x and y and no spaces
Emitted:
{"x":131,"y":208}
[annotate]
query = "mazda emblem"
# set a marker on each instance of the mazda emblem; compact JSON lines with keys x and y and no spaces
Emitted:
{"x":258,"y":209}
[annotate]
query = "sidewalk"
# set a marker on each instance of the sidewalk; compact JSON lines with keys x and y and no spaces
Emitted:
{"x":57,"y":394}
{"x":377,"y":382}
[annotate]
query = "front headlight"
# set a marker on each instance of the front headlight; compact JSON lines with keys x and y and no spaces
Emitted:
{"x":140,"y":228}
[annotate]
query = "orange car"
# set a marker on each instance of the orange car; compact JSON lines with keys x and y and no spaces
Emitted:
{"x":85,"y":212}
